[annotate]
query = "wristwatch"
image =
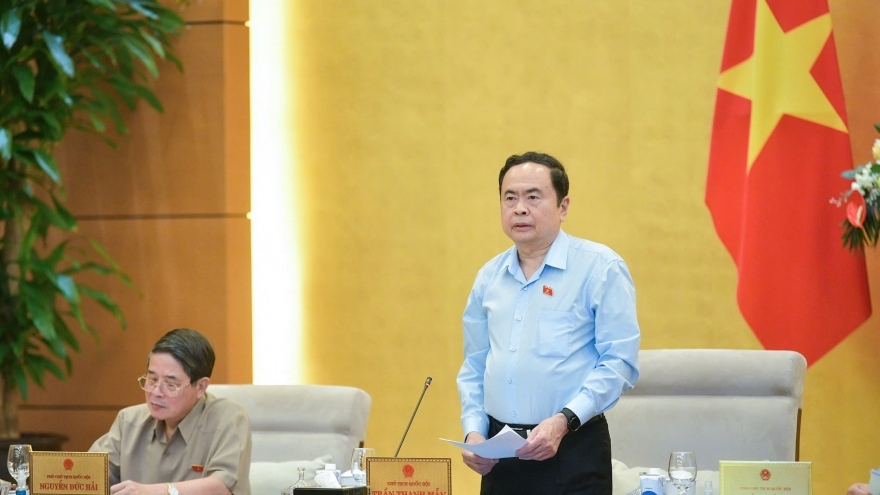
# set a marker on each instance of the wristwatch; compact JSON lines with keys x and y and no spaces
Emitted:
{"x":573,"y":422}
{"x":172,"y":490}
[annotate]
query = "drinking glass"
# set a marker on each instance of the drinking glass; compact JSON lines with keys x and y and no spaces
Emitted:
{"x":682,"y":470}
{"x":18,"y":461}
{"x":359,"y":465}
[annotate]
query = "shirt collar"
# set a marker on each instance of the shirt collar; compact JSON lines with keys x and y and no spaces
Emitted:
{"x":557,"y":255}
{"x":187,"y":426}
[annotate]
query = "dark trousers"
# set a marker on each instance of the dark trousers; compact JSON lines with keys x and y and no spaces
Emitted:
{"x":581,"y":466}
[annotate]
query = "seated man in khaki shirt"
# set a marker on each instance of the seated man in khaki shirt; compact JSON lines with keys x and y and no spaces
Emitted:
{"x":183,"y":441}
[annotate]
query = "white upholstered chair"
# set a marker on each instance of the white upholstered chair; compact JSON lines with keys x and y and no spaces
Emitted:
{"x":720,"y":404}
{"x":302,"y":422}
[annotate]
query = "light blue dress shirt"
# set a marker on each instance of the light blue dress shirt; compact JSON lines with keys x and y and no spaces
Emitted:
{"x":568,"y":337}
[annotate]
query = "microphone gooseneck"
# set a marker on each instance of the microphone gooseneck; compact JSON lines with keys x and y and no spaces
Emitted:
{"x":427,"y":384}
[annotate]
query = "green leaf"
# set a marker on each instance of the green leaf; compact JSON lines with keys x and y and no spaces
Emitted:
{"x":106,"y":257}
{"x":10,"y":108}
{"x":67,"y":218}
{"x":47,"y":163}
{"x":148,"y":95}
{"x":97,"y":124}
{"x":155,"y":44}
{"x":57,"y":346}
{"x":5,"y":144}
{"x":138,"y":6}
{"x":53,"y":128}
{"x":55,"y":44}
{"x":107,"y":4}
{"x":20,"y":381}
{"x":65,"y":284}
{"x":38,"y":365}
{"x":76,"y":311}
{"x":140,"y":50}
{"x":104,"y":300}
{"x":125,"y":90}
{"x":65,"y":335}
{"x":26,"y":81}
{"x":39,"y":306}
{"x":10,"y":26}
{"x":107,"y":49}
{"x":57,"y":254}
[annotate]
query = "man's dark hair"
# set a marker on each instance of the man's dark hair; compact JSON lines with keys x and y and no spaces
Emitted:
{"x":558,"y":177}
{"x":191,"y":349}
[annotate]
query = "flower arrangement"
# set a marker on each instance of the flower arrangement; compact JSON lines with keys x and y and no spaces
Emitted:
{"x":862,"y":224}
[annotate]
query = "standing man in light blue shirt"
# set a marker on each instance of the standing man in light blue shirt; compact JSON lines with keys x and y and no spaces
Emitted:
{"x":551,"y":341}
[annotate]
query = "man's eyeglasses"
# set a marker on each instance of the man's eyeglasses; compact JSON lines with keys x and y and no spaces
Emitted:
{"x":169,"y":389}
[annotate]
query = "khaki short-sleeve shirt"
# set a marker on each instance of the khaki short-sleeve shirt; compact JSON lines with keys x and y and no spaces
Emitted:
{"x":214,"y":439}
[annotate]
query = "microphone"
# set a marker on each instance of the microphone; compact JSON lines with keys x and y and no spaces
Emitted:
{"x":427,"y":384}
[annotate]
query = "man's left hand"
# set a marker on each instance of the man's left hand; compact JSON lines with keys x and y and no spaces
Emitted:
{"x":543,"y":441}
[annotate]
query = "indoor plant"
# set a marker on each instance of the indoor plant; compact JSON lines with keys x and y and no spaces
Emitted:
{"x":63,"y":64}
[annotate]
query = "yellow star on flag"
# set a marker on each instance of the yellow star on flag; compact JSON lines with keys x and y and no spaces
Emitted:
{"x":777,"y":79}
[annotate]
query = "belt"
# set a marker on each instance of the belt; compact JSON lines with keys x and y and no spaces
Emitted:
{"x":524,"y":430}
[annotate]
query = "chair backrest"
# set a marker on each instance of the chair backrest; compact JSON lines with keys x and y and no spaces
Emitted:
{"x":302,"y":422}
{"x":720,"y":404}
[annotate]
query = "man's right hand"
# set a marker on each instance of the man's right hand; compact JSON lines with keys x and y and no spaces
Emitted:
{"x":479,"y":464}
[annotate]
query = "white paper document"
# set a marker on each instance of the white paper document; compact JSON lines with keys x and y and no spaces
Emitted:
{"x":504,"y":444}
{"x":874,"y":485}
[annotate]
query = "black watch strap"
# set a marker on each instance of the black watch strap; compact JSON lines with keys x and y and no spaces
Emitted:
{"x":573,"y":422}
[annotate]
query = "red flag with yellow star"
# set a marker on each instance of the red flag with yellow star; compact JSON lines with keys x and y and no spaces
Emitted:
{"x":779,"y":144}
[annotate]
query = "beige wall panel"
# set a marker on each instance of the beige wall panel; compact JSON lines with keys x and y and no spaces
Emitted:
{"x":236,"y":139}
{"x":185,"y":275}
{"x":193,"y":158}
{"x":81,"y":426}
{"x":199,"y":11}
{"x":238,"y":352}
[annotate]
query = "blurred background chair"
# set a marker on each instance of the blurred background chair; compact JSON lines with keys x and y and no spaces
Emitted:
{"x":721,"y":404}
{"x":302,"y":422}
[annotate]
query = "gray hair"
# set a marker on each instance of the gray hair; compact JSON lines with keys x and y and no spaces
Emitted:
{"x":189,"y":348}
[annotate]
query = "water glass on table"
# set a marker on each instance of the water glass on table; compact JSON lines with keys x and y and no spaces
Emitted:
{"x":682,"y":470}
{"x":359,"y":464}
{"x":18,"y":462}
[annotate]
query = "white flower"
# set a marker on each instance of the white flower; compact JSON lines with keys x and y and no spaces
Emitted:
{"x":855,"y":187}
{"x":865,"y":183}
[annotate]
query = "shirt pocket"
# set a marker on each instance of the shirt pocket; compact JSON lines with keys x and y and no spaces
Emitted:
{"x":555,"y":331}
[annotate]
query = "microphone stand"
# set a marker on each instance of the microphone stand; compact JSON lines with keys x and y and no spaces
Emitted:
{"x":427,"y":383}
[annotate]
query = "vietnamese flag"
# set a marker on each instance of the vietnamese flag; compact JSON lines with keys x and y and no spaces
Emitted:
{"x":779,"y":144}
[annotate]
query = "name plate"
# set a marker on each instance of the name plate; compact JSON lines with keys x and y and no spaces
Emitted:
{"x":409,"y":475}
{"x":765,"y":478}
{"x":78,"y":473}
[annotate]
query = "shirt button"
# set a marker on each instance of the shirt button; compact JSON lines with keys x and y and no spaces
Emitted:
{"x":512,"y":348}
{"x":509,"y":380}
{"x":526,"y":288}
{"x":519,"y":318}
{"x":513,"y":414}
